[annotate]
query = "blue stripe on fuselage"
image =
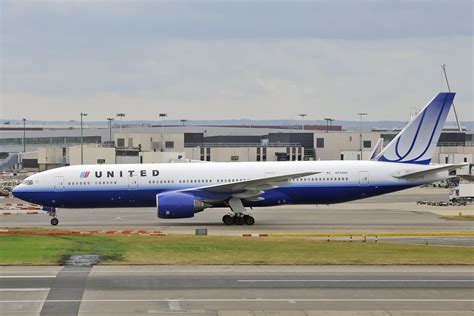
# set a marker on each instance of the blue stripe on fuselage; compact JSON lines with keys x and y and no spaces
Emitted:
{"x":291,"y":194}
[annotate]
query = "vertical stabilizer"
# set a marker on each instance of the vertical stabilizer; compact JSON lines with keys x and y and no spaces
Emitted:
{"x":417,"y":141}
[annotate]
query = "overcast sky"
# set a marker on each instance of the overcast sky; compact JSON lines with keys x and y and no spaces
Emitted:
{"x":233,"y":59}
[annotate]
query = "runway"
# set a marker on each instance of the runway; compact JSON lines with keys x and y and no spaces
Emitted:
{"x":220,"y":290}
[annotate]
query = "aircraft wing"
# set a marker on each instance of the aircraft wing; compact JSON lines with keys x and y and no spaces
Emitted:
{"x":426,"y":172}
{"x":248,"y":189}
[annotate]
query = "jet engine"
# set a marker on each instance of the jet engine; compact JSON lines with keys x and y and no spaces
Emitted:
{"x":178,"y":205}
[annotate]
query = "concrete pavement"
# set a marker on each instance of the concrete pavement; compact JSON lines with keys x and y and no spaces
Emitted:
{"x":237,"y":290}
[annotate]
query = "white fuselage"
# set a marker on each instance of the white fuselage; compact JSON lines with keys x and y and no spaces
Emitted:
{"x":129,"y":185}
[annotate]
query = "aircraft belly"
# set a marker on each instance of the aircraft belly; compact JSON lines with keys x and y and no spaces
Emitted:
{"x":326,"y":195}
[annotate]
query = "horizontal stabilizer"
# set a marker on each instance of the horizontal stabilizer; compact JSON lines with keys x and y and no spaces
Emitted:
{"x":427,"y":172}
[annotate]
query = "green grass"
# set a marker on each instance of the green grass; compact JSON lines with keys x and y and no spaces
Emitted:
{"x":459,"y":218}
{"x":22,"y":249}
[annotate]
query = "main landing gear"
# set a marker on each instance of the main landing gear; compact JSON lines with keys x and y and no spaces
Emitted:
{"x":238,"y":219}
{"x":238,"y":216}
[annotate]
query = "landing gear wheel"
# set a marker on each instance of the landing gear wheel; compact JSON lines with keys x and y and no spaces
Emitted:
{"x":239,"y":220}
{"x":249,"y":220}
{"x":54,"y":221}
{"x":228,"y":220}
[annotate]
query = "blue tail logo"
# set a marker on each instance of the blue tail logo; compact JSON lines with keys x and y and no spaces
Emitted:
{"x":417,"y":141}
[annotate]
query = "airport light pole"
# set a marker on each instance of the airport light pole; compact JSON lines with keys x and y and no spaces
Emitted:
{"x":109,"y":119}
{"x":302,"y":120}
{"x":361,"y":114}
{"x":162,"y":116}
{"x":82,"y":139}
{"x":121,"y":115}
{"x":24,"y":134}
{"x":328,"y":120}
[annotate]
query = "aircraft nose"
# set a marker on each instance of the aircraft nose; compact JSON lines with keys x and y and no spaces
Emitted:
{"x":24,"y":193}
{"x":18,"y":192}
{"x":15,"y":191}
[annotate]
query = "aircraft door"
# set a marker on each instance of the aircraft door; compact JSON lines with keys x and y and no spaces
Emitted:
{"x":59,"y":184}
{"x":363,"y":178}
{"x":133,"y":183}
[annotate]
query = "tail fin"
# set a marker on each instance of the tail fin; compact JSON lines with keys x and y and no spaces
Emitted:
{"x":417,"y":141}
{"x":377,"y":150}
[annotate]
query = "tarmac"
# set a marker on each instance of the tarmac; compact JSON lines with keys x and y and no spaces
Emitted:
{"x":237,"y":290}
{"x":391,"y":213}
{"x":254,"y":290}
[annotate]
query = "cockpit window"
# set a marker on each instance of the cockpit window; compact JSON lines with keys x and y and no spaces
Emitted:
{"x":28,"y":182}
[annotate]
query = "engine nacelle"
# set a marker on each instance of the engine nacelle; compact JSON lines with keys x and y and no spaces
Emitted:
{"x":178,"y":205}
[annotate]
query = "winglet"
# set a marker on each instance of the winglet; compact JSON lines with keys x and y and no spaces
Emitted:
{"x":417,"y":141}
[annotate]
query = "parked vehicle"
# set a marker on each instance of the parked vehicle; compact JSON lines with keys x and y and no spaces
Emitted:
{"x":463,"y":192}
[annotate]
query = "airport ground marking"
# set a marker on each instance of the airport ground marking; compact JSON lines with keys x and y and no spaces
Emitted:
{"x":353,"y":280}
{"x":27,"y":276}
{"x":289,"y":300}
{"x":24,"y":289}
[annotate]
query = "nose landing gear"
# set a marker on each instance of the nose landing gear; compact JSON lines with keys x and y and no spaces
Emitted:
{"x":52,"y":212}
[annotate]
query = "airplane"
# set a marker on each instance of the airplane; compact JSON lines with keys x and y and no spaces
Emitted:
{"x":182,"y":190}
{"x":377,"y":150}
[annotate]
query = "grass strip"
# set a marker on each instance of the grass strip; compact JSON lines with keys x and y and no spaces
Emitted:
{"x":29,"y":250}
{"x":387,"y":234}
{"x":459,"y":218}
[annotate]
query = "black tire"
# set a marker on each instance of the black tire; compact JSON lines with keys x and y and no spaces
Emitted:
{"x":228,"y":220}
{"x":249,"y":220}
{"x":239,"y":220}
{"x":54,"y":221}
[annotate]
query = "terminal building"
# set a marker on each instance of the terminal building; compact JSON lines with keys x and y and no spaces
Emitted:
{"x":34,"y":148}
